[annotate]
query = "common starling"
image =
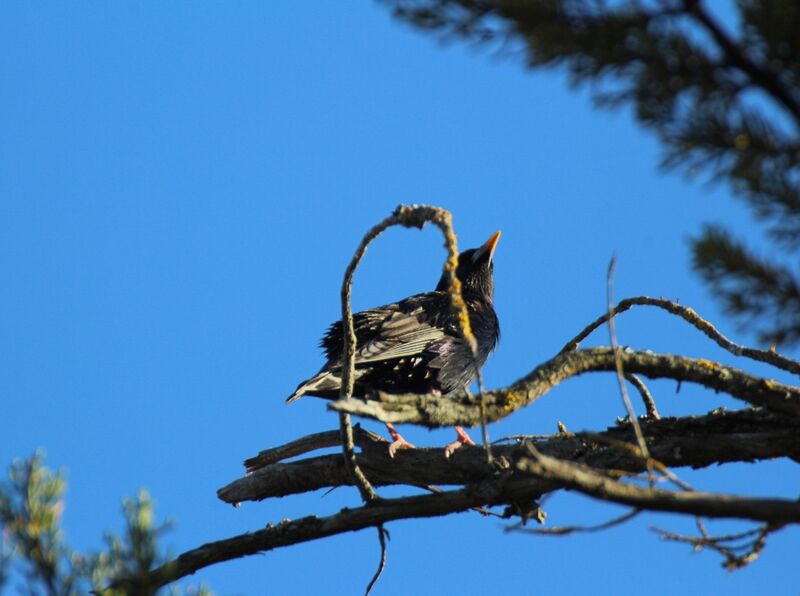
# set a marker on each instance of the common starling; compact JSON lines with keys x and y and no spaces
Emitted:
{"x":414,"y":345}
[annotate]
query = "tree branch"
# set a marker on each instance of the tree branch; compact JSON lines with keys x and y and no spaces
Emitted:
{"x":309,"y":443}
{"x":697,"y":441}
{"x":312,"y":527}
{"x":434,"y":411}
{"x":588,"y":482}
{"x":691,"y":316}
{"x":719,"y":436}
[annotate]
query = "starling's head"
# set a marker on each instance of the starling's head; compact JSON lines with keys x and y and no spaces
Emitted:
{"x":475,"y":270}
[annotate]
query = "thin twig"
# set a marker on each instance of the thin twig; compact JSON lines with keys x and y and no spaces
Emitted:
{"x":736,"y":556}
{"x":382,"y":533}
{"x":650,"y":464}
{"x":647,"y":397}
{"x":689,"y":315}
{"x":567,"y":530}
{"x":364,"y":487}
{"x":539,"y":437}
{"x":482,"y":510}
{"x":626,"y":400}
{"x":349,"y":359}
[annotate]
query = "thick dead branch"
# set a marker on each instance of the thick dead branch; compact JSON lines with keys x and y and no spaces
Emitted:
{"x":716,"y":437}
{"x":309,"y":443}
{"x":698,"y":441}
{"x":434,"y":411}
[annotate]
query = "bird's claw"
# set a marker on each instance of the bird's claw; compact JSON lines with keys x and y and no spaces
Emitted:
{"x":399,"y":443}
{"x":462,"y":438}
{"x":451,"y":448}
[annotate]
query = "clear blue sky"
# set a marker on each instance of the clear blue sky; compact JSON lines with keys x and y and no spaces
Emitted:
{"x":181,"y":187}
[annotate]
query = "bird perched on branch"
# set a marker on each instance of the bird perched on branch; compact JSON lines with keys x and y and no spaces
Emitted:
{"x":415,"y":345}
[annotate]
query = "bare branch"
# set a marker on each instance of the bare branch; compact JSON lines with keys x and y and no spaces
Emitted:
{"x":567,"y":530}
{"x":513,"y":483}
{"x":382,"y":535}
{"x":587,"y":481}
{"x":689,"y":315}
{"x":749,"y":547}
{"x":698,"y":441}
{"x":349,"y":359}
{"x":331,"y":438}
{"x":312,"y":527}
{"x":434,"y":411}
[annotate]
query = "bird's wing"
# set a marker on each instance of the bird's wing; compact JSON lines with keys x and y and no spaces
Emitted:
{"x":400,"y":335}
{"x":393,"y":331}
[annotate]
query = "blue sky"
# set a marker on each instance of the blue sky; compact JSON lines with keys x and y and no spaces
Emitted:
{"x":181,"y":187}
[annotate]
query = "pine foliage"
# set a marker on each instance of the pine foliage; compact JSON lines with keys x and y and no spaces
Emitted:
{"x":724,"y":101}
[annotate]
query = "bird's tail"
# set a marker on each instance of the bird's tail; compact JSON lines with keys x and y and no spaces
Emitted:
{"x":325,"y":383}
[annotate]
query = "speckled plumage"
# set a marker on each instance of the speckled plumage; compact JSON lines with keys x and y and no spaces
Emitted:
{"x":414,"y":346}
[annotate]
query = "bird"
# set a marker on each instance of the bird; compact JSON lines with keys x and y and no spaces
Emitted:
{"x":415,"y":345}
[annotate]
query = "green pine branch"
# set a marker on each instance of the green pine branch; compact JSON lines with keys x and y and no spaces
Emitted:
{"x":764,"y":294}
{"x":34,"y":549}
{"x":724,"y":105}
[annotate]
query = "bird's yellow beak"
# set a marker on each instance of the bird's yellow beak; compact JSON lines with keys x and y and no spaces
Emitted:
{"x":491,"y":244}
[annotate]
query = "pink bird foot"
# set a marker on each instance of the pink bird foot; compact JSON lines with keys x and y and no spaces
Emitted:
{"x":398,"y":442}
{"x":462,"y":438}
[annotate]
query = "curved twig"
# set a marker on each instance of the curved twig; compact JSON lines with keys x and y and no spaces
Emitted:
{"x":382,"y":535}
{"x":689,"y":315}
{"x":349,"y":359}
{"x":408,"y":216}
